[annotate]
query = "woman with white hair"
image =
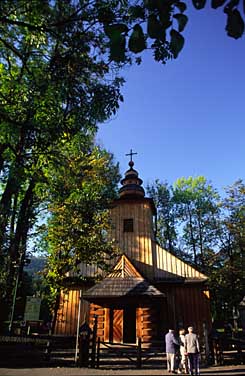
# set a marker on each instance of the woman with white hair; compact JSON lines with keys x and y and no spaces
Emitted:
{"x":183,"y":366}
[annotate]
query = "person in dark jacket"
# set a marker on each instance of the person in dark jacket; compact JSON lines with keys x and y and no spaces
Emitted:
{"x":171,"y":343}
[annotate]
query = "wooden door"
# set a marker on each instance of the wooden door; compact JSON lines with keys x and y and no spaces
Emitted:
{"x":116,"y":325}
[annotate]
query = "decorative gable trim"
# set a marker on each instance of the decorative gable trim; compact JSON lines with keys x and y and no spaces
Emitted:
{"x":123,"y":282}
{"x":124,"y":269}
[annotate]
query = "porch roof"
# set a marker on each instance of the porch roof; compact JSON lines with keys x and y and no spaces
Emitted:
{"x":123,"y":287}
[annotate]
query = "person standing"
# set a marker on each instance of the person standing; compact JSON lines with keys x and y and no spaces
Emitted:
{"x":192,"y":350}
{"x":183,"y":366}
{"x":171,"y":343}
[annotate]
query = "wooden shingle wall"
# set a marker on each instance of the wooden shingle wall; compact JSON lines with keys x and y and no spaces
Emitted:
{"x":67,"y":315}
{"x":137,"y":245}
{"x":188,"y":305}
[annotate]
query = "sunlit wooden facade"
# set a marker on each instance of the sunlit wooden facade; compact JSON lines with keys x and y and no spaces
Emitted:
{"x":148,"y":290}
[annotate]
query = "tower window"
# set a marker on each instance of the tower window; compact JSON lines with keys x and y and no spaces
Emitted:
{"x":128,"y":225}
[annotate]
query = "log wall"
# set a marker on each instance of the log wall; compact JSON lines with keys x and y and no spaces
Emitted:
{"x":100,"y":312}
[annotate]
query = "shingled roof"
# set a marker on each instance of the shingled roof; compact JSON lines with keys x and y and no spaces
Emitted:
{"x":123,"y":281}
{"x":119,"y":287}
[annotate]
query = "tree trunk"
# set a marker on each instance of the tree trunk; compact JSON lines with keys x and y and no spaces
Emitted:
{"x":22,"y":226}
{"x":11,"y":188}
{"x":13,"y":217}
{"x":169,"y":238}
{"x":3,"y":147}
{"x":201,"y":239}
{"x":17,"y":247}
{"x":55,"y":311}
{"x":192,"y":236}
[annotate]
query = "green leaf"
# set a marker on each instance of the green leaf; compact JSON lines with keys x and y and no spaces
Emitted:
{"x":105,"y":15}
{"x":136,"y":42}
{"x":235,"y":24}
{"x":199,"y":4}
{"x":115,"y":29}
{"x":230,"y":6}
{"x":136,"y":12}
{"x":181,"y":6}
{"x":150,"y":4}
{"x":154,"y":28}
{"x":165,"y":10}
{"x":118,"y":48}
{"x":138,"y":60}
{"x":176,"y":43}
{"x":182,"y":20}
{"x":217,"y":3}
{"x":117,"y":41}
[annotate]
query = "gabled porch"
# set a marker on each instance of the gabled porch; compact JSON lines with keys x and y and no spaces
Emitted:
{"x":127,"y":305}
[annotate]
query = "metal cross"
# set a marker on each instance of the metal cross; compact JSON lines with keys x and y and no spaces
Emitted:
{"x":131,"y":154}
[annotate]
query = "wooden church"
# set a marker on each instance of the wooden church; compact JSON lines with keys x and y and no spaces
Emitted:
{"x":148,"y":289}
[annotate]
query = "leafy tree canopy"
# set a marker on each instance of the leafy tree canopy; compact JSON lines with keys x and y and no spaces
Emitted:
{"x":162,"y":195}
{"x":55,"y":86}
{"x":199,"y":227}
{"x":79,"y":192}
{"x":59,"y":66}
{"x":118,"y":29}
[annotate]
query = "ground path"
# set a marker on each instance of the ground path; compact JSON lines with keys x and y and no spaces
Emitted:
{"x":72,"y":371}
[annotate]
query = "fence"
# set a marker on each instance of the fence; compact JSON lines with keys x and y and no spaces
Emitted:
{"x":137,"y":354}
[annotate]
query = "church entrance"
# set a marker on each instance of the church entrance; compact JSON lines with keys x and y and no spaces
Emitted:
{"x":129,"y":325}
{"x":122,"y":325}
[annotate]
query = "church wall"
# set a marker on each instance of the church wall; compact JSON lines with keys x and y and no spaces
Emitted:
{"x":188,"y":305}
{"x":67,"y":315}
{"x":102,"y":317}
{"x":185,"y":305}
{"x":152,"y":261}
{"x":149,"y":323}
{"x":137,"y":245}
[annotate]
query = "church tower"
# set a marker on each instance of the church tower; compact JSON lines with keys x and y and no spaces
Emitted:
{"x":133,"y":218}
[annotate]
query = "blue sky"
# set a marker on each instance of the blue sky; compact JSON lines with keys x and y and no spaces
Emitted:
{"x":185,"y":118}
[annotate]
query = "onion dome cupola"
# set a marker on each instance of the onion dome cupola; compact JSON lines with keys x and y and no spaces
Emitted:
{"x":131,"y":183}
